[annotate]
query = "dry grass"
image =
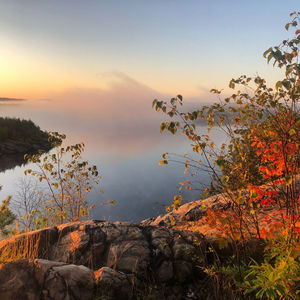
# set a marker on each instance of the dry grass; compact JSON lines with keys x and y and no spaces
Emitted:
{"x":35,"y":244}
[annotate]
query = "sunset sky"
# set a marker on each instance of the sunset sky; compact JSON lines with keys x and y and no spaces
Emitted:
{"x":170,"y":46}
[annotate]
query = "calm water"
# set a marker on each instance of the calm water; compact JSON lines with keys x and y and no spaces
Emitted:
{"x":122,"y":138}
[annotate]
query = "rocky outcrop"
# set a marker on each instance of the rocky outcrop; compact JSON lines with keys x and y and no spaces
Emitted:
{"x":126,"y":247}
{"x":124,"y":257}
{"x":29,"y":279}
{"x":157,"y":259}
{"x":192,"y":215}
{"x":113,"y":284}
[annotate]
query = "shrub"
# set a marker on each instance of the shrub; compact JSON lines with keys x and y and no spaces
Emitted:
{"x":6,"y":216}
{"x":68,"y":178}
{"x":257,"y":171}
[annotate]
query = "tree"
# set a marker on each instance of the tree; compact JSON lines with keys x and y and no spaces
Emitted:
{"x":28,"y":204}
{"x":6,"y":216}
{"x":68,"y":178}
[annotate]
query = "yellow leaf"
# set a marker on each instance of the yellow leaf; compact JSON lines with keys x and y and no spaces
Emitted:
{"x":163,"y":162}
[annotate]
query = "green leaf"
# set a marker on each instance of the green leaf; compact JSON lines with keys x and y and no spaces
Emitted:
{"x":221,"y":163}
{"x":267,"y":51}
{"x":179,"y":97}
{"x":280,"y":289}
{"x":162,"y":127}
{"x":231,"y":84}
{"x":286,"y":84}
{"x":270,"y":57}
{"x":278,"y":85}
{"x":253,"y":194}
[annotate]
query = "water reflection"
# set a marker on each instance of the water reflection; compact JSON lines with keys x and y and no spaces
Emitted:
{"x":122,"y":138}
{"x":11,"y":161}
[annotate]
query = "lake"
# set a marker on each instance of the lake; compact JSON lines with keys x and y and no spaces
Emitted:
{"x":122,"y":139}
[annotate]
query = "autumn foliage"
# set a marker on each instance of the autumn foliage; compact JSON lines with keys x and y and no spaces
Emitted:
{"x":257,"y":171}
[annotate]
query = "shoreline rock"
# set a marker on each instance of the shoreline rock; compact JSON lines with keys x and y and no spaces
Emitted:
{"x":128,"y":256}
{"x":20,"y":147}
{"x":127,"y":260}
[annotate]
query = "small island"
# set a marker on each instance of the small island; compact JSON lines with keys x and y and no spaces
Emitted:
{"x":18,"y":137}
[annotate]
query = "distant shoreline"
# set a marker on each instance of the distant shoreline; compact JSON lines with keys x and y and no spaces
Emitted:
{"x":4,"y":99}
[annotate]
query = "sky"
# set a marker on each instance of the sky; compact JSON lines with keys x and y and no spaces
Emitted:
{"x":50,"y":48}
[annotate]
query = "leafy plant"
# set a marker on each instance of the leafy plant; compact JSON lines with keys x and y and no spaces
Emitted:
{"x":262,"y":125}
{"x":6,"y":216}
{"x":257,"y":170}
{"x":69,"y":179}
{"x":278,"y":276}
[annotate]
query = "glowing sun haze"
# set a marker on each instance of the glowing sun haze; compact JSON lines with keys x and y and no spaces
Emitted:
{"x":172,"y":47}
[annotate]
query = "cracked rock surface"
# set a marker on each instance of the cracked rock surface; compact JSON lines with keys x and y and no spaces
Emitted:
{"x":75,"y":260}
{"x":43,"y":279}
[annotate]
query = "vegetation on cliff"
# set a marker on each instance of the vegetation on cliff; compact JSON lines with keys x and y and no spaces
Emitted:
{"x":68,"y":179}
{"x":256,"y":172}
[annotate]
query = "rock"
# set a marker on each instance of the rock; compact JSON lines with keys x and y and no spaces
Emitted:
{"x":68,"y":281}
{"x":165,"y":271}
{"x":41,"y":279}
{"x":183,"y":270}
{"x":112,"y":284}
{"x":35,"y":244}
{"x":129,"y":256}
{"x":124,"y":247}
{"x":190,"y":211}
{"x":59,"y":262}
{"x":130,"y":261}
{"x":17,"y":281}
{"x":182,"y":251}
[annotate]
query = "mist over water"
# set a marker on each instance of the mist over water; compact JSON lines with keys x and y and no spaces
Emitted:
{"x":122,"y":138}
